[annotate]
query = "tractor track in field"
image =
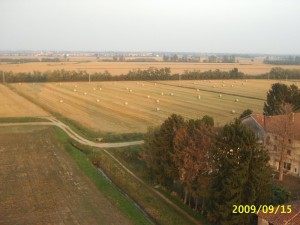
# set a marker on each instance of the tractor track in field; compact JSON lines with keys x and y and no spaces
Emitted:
{"x":211,"y":91}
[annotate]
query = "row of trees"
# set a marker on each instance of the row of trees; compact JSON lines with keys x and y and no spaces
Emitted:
{"x":148,"y":74}
{"x":211,"y":168}
{"x":28,"y":60}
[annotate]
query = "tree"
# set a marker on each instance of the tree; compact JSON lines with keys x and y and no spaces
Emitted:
{"x":191,"y":156}
{"x":241,"y":174}
{"x":247,"y":112}
{"x":280,"y":94}
{"x":159,"y":148}
{"x":208,"y":120}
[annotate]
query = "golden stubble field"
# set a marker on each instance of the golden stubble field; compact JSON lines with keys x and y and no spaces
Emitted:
{"x":117,"y":68}
{"x":41,"y":183}
{"x":128,"y":106}
{"x":13,"y":105}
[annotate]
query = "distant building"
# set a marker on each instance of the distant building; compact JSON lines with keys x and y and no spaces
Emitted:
{"x":282,"y":217}
{"x":268,"y":130}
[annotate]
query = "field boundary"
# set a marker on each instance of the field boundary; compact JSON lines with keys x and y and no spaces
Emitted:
{"x":218,"y":92}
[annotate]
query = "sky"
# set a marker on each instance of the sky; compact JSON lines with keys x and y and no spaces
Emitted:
{"x":212,"y":26}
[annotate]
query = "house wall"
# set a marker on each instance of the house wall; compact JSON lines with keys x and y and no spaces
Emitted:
{"x":272,"y":144}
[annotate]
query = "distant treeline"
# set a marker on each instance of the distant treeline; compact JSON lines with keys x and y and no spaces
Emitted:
{"x":291,"y":60}
{"x":148,"y":74}
{"x":28,"y":60}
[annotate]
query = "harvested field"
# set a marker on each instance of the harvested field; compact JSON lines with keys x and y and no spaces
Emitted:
{"x":12,"y":105}
{"x":41,"y":184}
{"x":117,"y":68}
{"x":125,"y":107}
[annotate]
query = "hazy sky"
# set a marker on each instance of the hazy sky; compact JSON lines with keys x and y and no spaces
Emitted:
{"x":229,"y":26}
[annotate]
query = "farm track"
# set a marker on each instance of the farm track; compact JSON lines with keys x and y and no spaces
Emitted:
{"x":78,"y":138}
{"x":211,"y":91}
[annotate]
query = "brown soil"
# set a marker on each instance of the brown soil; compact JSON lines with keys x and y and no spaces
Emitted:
{"x":41,"y":184}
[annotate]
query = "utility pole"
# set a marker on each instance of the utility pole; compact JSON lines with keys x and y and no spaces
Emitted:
{"x":3,"y":77}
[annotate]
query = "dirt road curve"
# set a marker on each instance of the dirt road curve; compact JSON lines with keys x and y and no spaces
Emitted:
{"x":75,"y":136}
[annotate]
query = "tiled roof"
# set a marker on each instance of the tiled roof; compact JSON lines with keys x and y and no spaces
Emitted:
{"x":275,"y":124}
{"x":280,"y":218}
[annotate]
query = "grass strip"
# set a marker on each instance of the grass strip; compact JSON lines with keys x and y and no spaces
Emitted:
{"x":22,"y":119}
{"x":114,"y":195}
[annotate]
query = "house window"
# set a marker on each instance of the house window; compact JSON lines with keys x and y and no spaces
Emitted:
{"x":287,"y":166}
{"x":295,"y":170}
{"x":289,"y":152}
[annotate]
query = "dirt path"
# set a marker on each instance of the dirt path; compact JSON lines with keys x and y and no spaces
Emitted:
{"x":75,"y":136}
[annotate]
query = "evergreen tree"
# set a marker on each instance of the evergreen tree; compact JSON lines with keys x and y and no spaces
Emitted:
{"x":159,"y":145}
{"x":280,"y":94}
{"x":246,"y":112}
{"x":241,"y":174}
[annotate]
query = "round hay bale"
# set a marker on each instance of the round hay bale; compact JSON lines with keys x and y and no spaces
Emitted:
{"x":130,"y":90}
{"x":126,"y":103}
{"x":94,"y":89}
{"x":232,"y":85}
{"x":143,"y":85}
{"x":157,"y":101}
{"x":100,"y":89}
{"x":148,"y":96}
{"x":171,"y":94}
{"x":85,"y":93}
{"x":157,"y":109}
{"x":127,"y":88}
{"x":223,"y":85}
{"x":214,"y":86}
{"x":237,"y":100}
{"x":220,"y":96}
{"x":75,"y":86}
{"x":199,"y":97}
{"x":155,"y":84}
{"x":233,"y":111}
{"x":162,"y":93}
{"x":197,"y":89}
{"x":61,"y":101}
{"x":59,"y":84}
{"x":75,"y":90}
{"x":98,"y":100}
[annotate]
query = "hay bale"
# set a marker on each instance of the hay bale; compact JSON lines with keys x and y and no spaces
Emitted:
{"x":162,"y":93}
{"x":85,"y":93}
{"x":59,"y":84}
{"x":157,"y":101}
{"x":127,"y":88}
{"x":233,"y":111}
{"x":155,"y":84}
{"x":126,"y":103}
{"x":171,"y":94}
{"x":61,"y":101}
{"x":130,"y":90}
{"x":75,"y":86}
{"x":157,"y":109}
{"x":220,"y":96}
{"x":98,"y":100}
{"x":74,"y":90}
{"x":197,"y":89}
{"x":94,"y":89}
{"x":148,"y":96}
{"x":232,"y":85}
{"x":237,"y":100}
{"x":214,"y":86}
{"x":143,"y":85}
{"x":223,"y":85}
{"x":100,"y":89}
{"x":199,"y":97}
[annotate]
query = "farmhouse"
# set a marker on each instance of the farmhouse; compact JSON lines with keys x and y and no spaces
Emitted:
{"x":269,"y":130}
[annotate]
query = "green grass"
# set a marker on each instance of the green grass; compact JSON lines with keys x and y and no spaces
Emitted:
{"x":115,"y":196}
{"x":22,"y":119}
